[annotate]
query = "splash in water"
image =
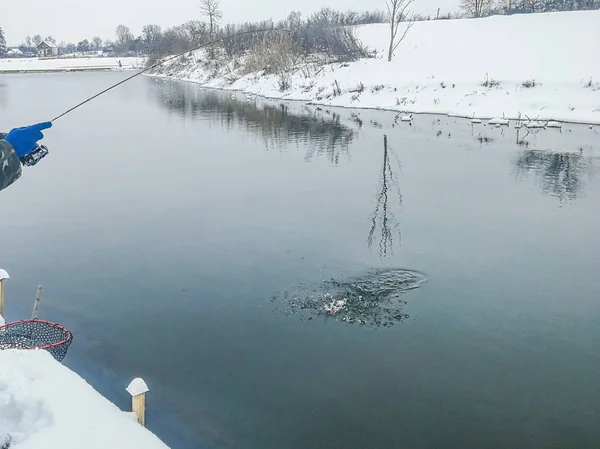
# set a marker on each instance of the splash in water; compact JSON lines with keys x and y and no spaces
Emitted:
{"x":372,"y":298}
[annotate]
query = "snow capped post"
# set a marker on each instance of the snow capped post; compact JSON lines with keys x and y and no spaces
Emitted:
{"x":137,"y":389}
{"x":3,"y":276}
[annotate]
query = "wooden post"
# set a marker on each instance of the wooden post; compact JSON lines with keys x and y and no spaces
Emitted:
{"x":138,"y":406}
{"x":138,"y":389}
{"x":3,"y":276}
{"x":1,"y":297}
{"x":36,"y":303}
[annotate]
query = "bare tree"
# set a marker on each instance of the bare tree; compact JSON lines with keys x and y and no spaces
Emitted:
{"x":28,"y":41}
{"x":37,"y":40}
{"x":3,"y":48}
{"x":196,"y":31}
{"x":397,"y":10}
{"x":176,"y":39}
{"x":505,"y":6}
{"x":97,"y":41}
{"x":477,"y":8}
{"x":50,"y":40}
{"x":83,"y":46}
{"x":210,"y":9}
{"x":124,"y":35}
{"x":152,"y":37}
{"x":294,"y":20}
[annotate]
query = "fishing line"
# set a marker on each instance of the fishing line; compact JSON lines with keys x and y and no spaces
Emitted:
{"x":41,"y":151}
{"x":162,"y":61}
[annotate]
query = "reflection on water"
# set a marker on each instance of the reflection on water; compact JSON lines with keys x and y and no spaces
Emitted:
{"x":371,"y":298}
{"x":383,"y":219}
{"x":276,"y":125}
{"x":483,"y":336}
{"x":561,"y":175}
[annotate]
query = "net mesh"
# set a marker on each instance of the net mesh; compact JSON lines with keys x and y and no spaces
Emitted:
{"x":36,"y":334}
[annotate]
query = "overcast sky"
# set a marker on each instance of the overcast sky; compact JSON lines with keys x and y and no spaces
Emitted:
{"x":74,"y":20}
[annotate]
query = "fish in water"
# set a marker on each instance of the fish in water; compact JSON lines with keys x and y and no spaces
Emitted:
{"x":371,"y":298}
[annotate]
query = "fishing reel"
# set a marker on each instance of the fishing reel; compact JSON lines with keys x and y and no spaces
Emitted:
{"x":39,"y":152}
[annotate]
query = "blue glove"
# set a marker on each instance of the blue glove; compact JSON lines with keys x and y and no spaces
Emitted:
{"x":24,"y":140}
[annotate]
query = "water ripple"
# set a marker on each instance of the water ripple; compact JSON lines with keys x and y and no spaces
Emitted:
{"x":372,"y":298}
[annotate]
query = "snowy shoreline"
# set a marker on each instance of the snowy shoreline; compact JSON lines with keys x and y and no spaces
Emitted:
{"x":35,"y":65}
{"x":522,"y":121}
{"x":43,"y":404}
{"x":457,"y":68}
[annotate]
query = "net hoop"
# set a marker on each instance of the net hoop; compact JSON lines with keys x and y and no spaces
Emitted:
{"x":27,"y":329}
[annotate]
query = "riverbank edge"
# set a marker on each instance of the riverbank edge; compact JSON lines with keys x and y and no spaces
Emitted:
{"x":210,"y":86}
{"x":470,"y":68}
{"x":33,"y":380}
{"x":64,"y":70}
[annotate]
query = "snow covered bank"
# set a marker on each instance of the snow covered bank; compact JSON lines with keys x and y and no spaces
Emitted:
{"x":44,"y":405}
{"x":66,"y":64}
{"x":536,"y":66}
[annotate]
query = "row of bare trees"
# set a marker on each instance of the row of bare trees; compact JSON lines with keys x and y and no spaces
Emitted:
{"x":325,"y":32}
{"x":125,"y":42}
{"x":296,"y":43}
{"x":483,"y":8}
{"x":321,"y":32}
{"x":30,"y":44}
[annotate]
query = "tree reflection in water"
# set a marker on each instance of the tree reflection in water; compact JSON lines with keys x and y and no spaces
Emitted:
{"x":383,"y":217}
{"x":559,"y":174}
{"x":322,"y":134}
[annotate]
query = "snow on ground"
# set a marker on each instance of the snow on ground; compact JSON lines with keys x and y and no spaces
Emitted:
{"x":442,"y":65}
{"x":44,"y":405}
{"x":66,"y":64}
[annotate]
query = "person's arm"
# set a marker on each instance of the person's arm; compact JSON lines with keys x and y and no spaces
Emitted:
{"x":10,"y":165}
{"x":17,"y":143}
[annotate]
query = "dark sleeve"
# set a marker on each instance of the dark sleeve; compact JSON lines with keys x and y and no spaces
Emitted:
{"x":10,"y":165}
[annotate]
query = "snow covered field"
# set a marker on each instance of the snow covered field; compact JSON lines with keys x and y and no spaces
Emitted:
{"x":536,"y":66}
{"x":67,"y":64}
{"x":44,"y":405}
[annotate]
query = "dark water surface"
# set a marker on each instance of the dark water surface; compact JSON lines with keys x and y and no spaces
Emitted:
{"x":178,"y":232}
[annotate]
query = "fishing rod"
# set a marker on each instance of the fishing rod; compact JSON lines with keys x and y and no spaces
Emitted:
{"x":41,"y":150}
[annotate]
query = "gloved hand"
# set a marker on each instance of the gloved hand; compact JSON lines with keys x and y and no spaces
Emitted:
{"x":24,"y":140}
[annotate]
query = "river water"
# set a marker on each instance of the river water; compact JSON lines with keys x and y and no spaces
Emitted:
{"x":208,"y":243}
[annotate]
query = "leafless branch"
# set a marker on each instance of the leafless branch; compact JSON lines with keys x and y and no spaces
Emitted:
{"x":397,"y":10}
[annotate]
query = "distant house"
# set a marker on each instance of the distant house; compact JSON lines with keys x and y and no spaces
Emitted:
{"x":47,"y":49}
{"x":14,"y":53}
